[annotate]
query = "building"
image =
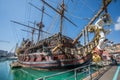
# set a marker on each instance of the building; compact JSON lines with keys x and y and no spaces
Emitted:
{"x":115,"y":48}
{"x":3,"y":53}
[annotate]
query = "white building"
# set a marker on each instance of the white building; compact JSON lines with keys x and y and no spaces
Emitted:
{"x":3,"y":53}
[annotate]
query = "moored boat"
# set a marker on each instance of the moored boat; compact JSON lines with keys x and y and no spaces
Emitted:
{"x":60,"y":51}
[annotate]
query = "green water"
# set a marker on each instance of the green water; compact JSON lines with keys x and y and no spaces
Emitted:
{"x":30,"y":74}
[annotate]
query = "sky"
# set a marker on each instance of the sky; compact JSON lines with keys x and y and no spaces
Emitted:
{"x":76,"y":11}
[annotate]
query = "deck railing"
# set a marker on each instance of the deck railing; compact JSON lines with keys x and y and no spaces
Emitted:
{"x":87,"y":70}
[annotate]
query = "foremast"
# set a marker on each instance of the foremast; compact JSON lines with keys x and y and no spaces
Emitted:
{"x":41,"y":25}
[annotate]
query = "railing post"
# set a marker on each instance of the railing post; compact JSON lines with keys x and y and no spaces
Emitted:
{"x":98,"y":69}
{"x":90,"y":72}
{"x":44,"y":78}
{"x":75,"y":73}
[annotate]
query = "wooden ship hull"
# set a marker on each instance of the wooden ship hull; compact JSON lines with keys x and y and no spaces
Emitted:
{"x":58,"y":62}
{"x":58,"y":59}
{"x":60,"y":51}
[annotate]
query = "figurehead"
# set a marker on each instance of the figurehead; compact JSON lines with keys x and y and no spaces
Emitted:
{"x":99,"y":27}
{"x":103,"y":21}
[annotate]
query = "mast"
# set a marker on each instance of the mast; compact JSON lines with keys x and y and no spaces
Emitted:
{"x":62,"y":6}
{"x":33,"y":31}
{"x":40,"y":25}
{"x":33,"y":35}
{"x":30,"y":27}
{"x":59,"y":12}
{"x":16,"y":47}
{"x":61,"y":16}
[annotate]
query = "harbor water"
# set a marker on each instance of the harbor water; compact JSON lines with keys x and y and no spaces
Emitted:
{"x":6,"y":73}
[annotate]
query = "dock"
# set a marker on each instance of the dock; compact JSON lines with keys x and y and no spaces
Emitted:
{"x":112,"y":74}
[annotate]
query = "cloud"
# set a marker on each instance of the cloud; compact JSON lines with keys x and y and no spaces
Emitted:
{"x":117,"y":25}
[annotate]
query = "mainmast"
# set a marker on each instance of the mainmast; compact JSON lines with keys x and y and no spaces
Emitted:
{"x":62,"y":9}
{"x":61,"y":15}
{"x":41,"y":25}
{"x":59,"y":12}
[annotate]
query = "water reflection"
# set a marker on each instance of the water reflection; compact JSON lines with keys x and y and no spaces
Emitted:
{"x":22,"y":74}
{"x":6,"y":73}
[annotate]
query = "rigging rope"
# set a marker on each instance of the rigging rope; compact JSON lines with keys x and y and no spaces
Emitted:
{"x":78,"y":17}
{"x":67,"y":2}
{"x":52,"y":23}
{"x":84,"y":2}
{"x":29,"y":16}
